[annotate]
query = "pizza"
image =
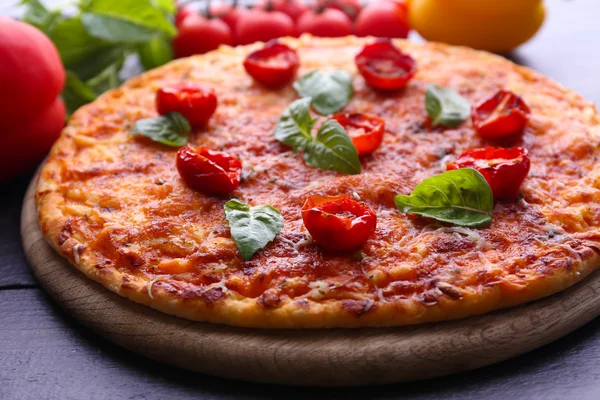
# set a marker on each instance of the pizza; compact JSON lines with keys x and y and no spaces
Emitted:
{"x":320,"y":183}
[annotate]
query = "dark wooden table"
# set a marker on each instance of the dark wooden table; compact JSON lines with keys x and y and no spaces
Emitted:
{"x":44,"y":354}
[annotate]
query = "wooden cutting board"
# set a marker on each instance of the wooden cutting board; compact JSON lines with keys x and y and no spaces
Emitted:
{"x":335,"y":357}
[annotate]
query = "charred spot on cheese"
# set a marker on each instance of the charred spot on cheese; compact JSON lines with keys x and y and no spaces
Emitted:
{"x":211,"y":296}
{"x":133,"y":259}
{"x":129,"y":282}
{"x":358,"y":307}
{"x":269,"y":299}
{"x":65,"y":232}
{"x":447,"y":243}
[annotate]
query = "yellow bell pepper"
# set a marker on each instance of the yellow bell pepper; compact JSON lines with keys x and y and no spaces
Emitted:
{"x":493,"y":25}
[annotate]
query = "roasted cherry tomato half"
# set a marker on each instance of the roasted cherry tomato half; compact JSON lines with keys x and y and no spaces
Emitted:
{"x":274,"y":65}
{"x":365,"y":131}
{"x":211,"y":172}
{"x":503,"y":114}
{"x":196,"y":103}
{"x":503,"y":169}
{"x":384,"y":66}
{"x":338,"y":223}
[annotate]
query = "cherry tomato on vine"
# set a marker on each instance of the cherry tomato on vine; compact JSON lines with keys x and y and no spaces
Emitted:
{"x":387,"y":19}
{"x":182,"y":13}
{"x":365,"y":131}
{"x":384,"y":66}
{"x":503,"y":114}
{"x":293,"y":8}
{"x":196,"y":103}
{"x":504,"y":169}
{"x":349,"y":7}
{"x":261,"y":26}
{"x":210,"y":172}
{"x":228,"y":14}
{"x":327,"y":22}
{"x":338,"y":223}
{"x":274,"y":65}
{"x":198,"y":35}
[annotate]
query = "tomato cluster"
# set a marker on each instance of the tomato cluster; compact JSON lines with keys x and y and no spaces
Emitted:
{"x":225,"y":24}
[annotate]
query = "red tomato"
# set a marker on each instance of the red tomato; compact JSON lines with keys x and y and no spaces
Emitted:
{"x":503,"y":114}
{"x":338,"y":223}
{"x":401,"y":3}
{"x":293,"y":8}
{"x":365,"y":131}
{"x":326,"y":23}
{"x":31,"y":73}
{"x":274,"y":65}
{"x":228,"y":14}
{"x":211,"y":172}
{"x":196,"y":103}
{"x":26,"y":142}
{"x":262,"y":26}
{"x":383,"y":19}
{"x":503,"y":169}
{"x":349,"y":7}
{"x":198,"y":35}
{"x":384,"y":66}
{"x":182,"y":13}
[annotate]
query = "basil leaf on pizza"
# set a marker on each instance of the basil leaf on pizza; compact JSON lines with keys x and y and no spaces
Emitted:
{"x":252,"y":228}
{"x":295,"y":124}
{"x":330,"y":91}
{"x":460,"y":197}
{"x":331,"y":149}
{"x":171,"y":129}
{"x":446,"y":107}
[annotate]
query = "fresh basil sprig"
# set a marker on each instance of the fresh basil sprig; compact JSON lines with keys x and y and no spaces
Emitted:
{"x":446,"y":107}
{"x":330,"y":91}
{"x":171,"y":129}
{"x":125,"y":21}
{"x":331,"y":149}
{"x":252,"y":228}
{"x":96,"y":36}
{"x":460,"y":197}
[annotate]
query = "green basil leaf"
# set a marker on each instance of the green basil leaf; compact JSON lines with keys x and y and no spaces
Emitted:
{"x":155,"y":53}
{"x":330,"y":91}
{"x":108,"y":78}
{"x":167,"y":6}
{"x":76,"y":93}
{"x":252,"y":228}
{"x":295,"y":125}
{"x":74,"y":44}
{"x":446,"y":107}
{"x":115,"y":30}
{"x":38,"y":15}
{"x":125,"y":21}
{"x":331,"y":149}
{"x":98,"y":62}
{"x":461,"y":197}
{"x":82,"y":54}
{"x":171,"y":129}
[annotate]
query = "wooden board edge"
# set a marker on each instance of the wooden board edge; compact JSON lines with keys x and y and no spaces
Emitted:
{"x":335,"y":357}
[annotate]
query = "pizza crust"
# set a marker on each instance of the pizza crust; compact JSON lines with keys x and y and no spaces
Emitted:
{"x":72,"y":221}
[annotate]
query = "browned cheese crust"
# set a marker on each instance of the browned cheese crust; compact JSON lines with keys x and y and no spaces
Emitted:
{"x":115,"y":206}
